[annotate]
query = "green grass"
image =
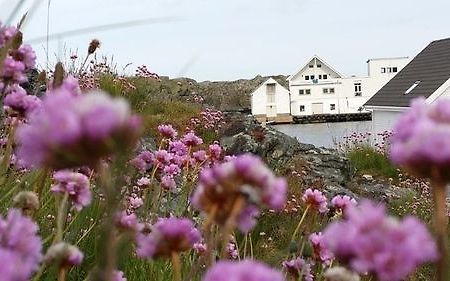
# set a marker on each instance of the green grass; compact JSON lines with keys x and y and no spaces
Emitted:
{"x":367,"y":160}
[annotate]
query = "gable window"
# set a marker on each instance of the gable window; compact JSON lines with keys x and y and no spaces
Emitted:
{"x":383,"y":70}
{"x":312,"y":77}
{"x":307,"y":77}
{"x":358,"y":91}
{"x":394,"y":69}
{"x":270,"y":93}
{"x":271,"y":88}
{"x":412,"y":87}
{"x":331,"y":90}
{"x":332,"y":106}
{"x":311,"y":66}
{"x":320,"y":76}
{"x":325,"y":76}
{"x":325,"y":90}
{"x":301,"y":92}
{"x":302,"y":108}
{"x":319,"y":65}
{"x":307,"y":91}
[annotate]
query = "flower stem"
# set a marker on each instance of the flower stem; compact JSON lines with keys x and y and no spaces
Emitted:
{"x":230,"y":224}
{"x":176,"y":263}
{"x":300,"y":223}
{"x":61,"y":218}
{"x":62,"y":274}
{"x":440,"y":226}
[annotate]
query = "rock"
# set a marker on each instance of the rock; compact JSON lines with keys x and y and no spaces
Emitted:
{"x":367,"y":177}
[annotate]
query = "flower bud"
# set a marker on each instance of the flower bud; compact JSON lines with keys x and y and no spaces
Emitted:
{"x":26,"y":201}
{"x":65,"y":255}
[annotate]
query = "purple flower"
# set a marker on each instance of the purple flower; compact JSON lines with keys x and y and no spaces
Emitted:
{"x":370,"y":241}
{"x":6,"y":33}
{"x":321,"y":252}
{"x":191,"y":139}
{"x":199,"y":248}
{"x":167,"y":236}
{"x":167,"y":131}
{"x":316,"y":200}
{"x":118,"y":276}
{"x":215,"y":151}
{"x":64,"y":254}
{"x":172,"y":169}
{"x":421,"y":139}
{"x":247,"y":218}
{"x":26,"y":55}
{"x":127,"y":221}
{"x":13,"y":71}
{"x":71,"y":131}
{"x":144,"y":161}
{"x":342,"y":202}
{"x":18,"y":101}
{"x":246,"y":270}
{"x":168,"y":182}
{"x":199,"y":156}
{"x":245,"y":178}
{"x":178,"y":147}
{"x":298,"y":268}
{"x":20,"y":246}
{"x":232,"y":251}
{"x":74,"y":184}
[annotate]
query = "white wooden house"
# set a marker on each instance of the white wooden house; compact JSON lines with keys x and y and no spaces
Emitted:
{"x":317,"y":88}
{"x":270,"y":102}
{"x":427,"y":75}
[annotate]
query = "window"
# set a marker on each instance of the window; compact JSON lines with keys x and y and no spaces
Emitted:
{"x":270,"y":97}
{"x":311,"y":66}
{"x":312,"y":77}
{"x":389,"y":70}
{"x":271,"y":88}
{"x":307,"y":77}
{"x":394,"y":69}
{"x":358,"y":91}
{"x":320,"y":76}
{"x":332,"y":106}
{"x":325,"y":90}
{"x":325,"y":76}
{"x":383,"y":70}
{"x":308,"y":91}
{"x":302,"y":108}
{"x":412,"y":87}
{"x":319,"y":65}
{"x":301,"y":92}
{"x":331,"y":90}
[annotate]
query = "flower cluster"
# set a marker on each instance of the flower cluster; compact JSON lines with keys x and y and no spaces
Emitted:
{"x":20,"y":247}
{"x":143,"y":72}
{"x":167,"y":236}
{"x":209,"y":119}
{"x":342,"y":202}
{"x":238,"y":187}
{"x":316,"y":200}
{"x":298,"y":267}
{"x":17,"y":102}
{"x":421,"y":139}
{"x":64,"y":255}
{"x":370,"y":241}
{"x":246,"y":270}
{"x":76,"y":185}
{"x":75,"y":130}
{"x":321,"y":253}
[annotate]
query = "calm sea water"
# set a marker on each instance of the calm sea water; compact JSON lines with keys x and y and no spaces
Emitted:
{"x":324,"y":134}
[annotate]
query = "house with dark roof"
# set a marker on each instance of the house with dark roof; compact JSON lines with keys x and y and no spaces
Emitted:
{"x":427,"y":75}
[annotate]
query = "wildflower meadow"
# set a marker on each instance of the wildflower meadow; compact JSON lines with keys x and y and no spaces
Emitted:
{"x":102,"y":182}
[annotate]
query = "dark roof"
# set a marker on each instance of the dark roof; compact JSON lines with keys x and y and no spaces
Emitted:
{"x":431,"y":67}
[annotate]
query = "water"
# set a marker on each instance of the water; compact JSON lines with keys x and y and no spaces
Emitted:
{"x":324,"y":134}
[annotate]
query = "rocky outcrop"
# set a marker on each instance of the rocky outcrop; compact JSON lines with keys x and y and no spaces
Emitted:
{"x":313,"y":164}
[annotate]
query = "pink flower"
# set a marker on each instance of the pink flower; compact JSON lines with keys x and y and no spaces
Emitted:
{"x":321,"y":253}
{"x":19,"y":102}
{"x":298,"y":268}
{"x":315,"y":199}
{"x":167,"y":131}
{"x":76,"y":185}
{"x":190,"y":139}
{"x":246,"y":270}
{"x":144,"y":181}
{"x":342,"y":202}
{"x":168,"y":182}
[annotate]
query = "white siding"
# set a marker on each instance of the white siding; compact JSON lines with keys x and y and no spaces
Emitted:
{"x":384,"y":120}
{"x":261,"y":104}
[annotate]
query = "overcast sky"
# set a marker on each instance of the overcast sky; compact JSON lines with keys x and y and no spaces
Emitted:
{"x":226,"y":40}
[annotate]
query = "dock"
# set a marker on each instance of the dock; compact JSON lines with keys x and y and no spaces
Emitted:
{"x":329,"y":118}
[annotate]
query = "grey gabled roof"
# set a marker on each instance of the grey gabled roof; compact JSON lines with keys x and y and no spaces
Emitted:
{"x":431,"y":67}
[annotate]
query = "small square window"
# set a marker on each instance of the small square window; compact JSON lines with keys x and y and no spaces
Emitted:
{"x":312,"y":77}
{"x":331,"y":90}
{"x":325,"y":76}
{"x":308,"y":91}
{"x":332,"y":106}
{"x":311,"y":66}
{"x":302,"y":108}
{"x":319,"y":65}
{"x":394,"y":69}
{"x":389,"y":69}
{"x":301,"y":92}
{"x":325,"y":90}
{"x":383,"y":70}
{"x":307,"y":77}
{"x":320,"y":76}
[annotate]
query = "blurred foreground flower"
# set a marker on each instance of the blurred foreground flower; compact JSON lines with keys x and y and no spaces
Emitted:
{"x":246,"y":270}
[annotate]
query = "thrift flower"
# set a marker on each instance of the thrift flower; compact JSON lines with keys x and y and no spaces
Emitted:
{"x":342,"y":202}
{"x":74,"y":184}
{"x":315,"y":199}
{"x":321,"y":253}
{"x":298,"y":268}
{"x":167,"y":131}
{"x":64,"y":254}
{"x":246,"y":270}
{"x":191,"y":139}
{"x":370,"y":241}
{"x":167,"y":236}
{"x":17,"y":101}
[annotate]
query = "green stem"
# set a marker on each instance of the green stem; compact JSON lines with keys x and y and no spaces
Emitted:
{"x":176,"y":263}
{"x":441,"y":226}
{"x":300,"y":223}
{"x":61,"y":218}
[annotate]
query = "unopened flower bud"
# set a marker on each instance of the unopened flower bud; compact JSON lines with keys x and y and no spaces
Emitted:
{"x":338,"y":273}
{"x":26,"y":201}
{"x":93,"y":46}
{"x":65,"y":255}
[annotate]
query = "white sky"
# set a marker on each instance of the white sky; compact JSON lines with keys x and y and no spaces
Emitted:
{"x":226,"y":40}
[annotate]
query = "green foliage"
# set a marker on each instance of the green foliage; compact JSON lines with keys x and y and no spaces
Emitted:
{"x":367,"y":159}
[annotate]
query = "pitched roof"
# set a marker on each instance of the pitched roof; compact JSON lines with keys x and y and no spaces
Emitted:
{"x":431,"y":67}
{"x":309,"y":61}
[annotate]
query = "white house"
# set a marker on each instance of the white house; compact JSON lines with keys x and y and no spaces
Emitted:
{"x":317,"y":88}
{"x":427,"y":75}
{"x":270,"y":102}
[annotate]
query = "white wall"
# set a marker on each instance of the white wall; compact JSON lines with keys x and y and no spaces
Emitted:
{"x":259,"y":99}
{"x":384,"y":120}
